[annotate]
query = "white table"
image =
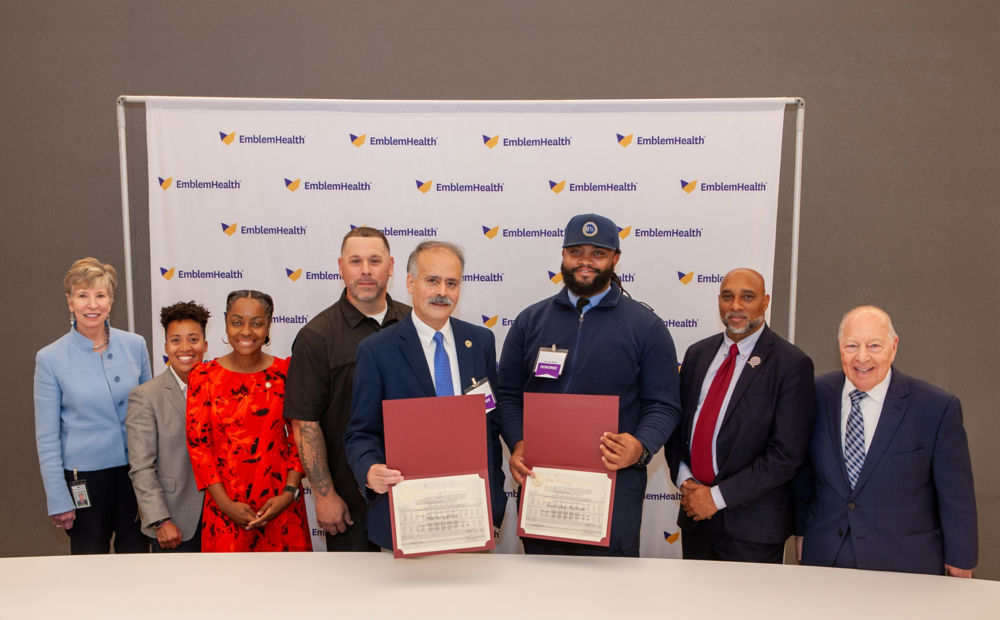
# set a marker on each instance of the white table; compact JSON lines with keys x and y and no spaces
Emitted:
{"x":359,"y":585}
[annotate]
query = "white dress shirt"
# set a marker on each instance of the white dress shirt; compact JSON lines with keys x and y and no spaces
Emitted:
{"x":871,"y":409}
{"x":745,"y":347}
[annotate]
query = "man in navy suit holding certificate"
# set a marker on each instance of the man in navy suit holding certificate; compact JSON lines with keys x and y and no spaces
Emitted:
{"x":429,"y":353}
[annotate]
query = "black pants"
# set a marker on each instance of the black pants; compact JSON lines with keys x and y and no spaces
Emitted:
{"x":708,"y":542}
{"x":113,"y":510}
{"x":355,"y":538}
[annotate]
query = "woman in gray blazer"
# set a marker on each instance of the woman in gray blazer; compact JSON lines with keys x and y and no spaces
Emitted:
{"x":169,"y":500}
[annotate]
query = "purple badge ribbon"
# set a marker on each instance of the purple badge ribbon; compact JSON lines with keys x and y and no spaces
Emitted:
{"x":548,"y":369}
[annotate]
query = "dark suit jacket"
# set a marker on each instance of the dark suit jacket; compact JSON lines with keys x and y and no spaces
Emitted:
{"x":391,"y":365}
{"x":913,"y":508}
{"x":763,"y":439}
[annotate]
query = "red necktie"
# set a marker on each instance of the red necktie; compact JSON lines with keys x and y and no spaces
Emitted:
{"x":701,"y":443}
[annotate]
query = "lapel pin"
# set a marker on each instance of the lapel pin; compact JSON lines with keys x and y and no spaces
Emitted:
{"x":468,"y":344}
{"x":754,"y":361}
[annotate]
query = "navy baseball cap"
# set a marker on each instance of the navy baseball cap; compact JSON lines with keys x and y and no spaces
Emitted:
{"x":591,"y":228}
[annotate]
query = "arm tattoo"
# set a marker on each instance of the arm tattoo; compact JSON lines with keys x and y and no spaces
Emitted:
{"x":312,"y":451}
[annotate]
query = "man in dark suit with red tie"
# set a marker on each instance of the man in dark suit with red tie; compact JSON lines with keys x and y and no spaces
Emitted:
{"x":749,"y":404}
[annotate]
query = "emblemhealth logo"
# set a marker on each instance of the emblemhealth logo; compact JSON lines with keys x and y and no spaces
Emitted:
{"x":166,"y":360}
{"x":358,"y":141}
{"x":424,"y":186}
{"x":594,"y":186}
{"x":692,"y":233}
{"x":457,"y":186}
{"x":624,"y":140}
{"x":393,"y":141}
{"x":490,"y":232}
{"x":229,"y":229}
{"x":671,"y":538}
{"x":527,"y":142}
{"x":490,"y":321}
{"x":391,"y":231}
{"x":701,"y":278}
{"x":199,"y":183}
{"x":328,"y":186}
{"x":689,"y":186}
{"x":256,"y":138}
{"x":168,"y":274}
{"x":322,"y":274}
{"x":263,"y":231}
{"x":624,"y":232}
{"x":556,"y":278}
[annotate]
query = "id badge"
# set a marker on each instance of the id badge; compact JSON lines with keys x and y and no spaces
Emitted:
{"x":483,"y":387}
{"x":550,"y":362}
{"x":78,"y":489}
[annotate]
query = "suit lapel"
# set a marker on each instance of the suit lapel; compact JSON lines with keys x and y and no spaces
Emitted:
{"x":893,"y":410}
{"x":762,"y":350}
{"x":413,"y":353}
{"x":174,"y":393}
{"x":833,"y":398}
{"x":466,"y":365}
{"x":698,"y":373}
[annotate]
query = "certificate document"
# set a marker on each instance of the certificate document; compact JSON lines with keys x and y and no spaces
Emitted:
{"x":566,"y":504}
{"x":445,"y":513}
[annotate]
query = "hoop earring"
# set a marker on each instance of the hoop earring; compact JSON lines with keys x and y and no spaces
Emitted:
{"x":224,"y":341}
{"x":267,"y":340}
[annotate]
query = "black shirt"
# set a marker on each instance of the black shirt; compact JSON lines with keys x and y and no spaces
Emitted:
{"x":320,"y":376}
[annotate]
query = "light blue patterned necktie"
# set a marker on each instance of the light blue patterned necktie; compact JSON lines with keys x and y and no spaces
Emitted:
{"x":442,"y":368}
{"x":854,"y":438}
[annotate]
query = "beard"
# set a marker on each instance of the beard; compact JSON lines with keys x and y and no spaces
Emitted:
{"x":361,"y":294}
{"x":748,"y":326}
{"x":581,"y":289}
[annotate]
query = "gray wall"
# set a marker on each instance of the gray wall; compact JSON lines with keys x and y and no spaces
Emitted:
{"x":899,"y":200}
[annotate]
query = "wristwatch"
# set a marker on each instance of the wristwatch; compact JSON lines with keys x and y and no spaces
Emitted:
{"x":295,"y":491}
{"x":643,"y":458}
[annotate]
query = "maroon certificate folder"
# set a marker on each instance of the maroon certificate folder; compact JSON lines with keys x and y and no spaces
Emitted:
{"x":563,"y":432}
{"x":438,"y":437}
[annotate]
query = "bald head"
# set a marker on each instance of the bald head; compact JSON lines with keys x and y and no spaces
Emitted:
{"x":742,"y":302}
{"x":873,"y":312}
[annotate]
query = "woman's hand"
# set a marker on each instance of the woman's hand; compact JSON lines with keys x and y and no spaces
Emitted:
{"x":271,"y":508}
{"x":240,"y":513}
{"x":64,"y":520}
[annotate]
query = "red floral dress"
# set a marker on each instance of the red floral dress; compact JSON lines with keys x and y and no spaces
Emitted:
{"x":237,"y":436}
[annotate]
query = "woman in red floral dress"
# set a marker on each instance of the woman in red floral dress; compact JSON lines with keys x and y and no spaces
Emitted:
{"x":240,"y":448}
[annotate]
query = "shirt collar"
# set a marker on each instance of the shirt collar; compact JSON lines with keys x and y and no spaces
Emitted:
{"x":426,"y":333}
{"x":877,"y":393}
{"x":594,"y":299}
{"x":182,"y":385}
{"x":746,"y":345}
{"x":355,"y":316}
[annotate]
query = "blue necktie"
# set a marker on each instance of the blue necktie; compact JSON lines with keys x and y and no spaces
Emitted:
{"x":854,"y":438}
{"x":442,"y":368}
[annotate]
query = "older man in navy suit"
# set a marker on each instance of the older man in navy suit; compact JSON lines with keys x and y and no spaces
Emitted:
{"x":426,"y":354}
{"x":749,"y":406}
{"x":890,"y":482}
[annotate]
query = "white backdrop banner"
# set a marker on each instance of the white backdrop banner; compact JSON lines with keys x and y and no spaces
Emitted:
{"x":259,"y":193}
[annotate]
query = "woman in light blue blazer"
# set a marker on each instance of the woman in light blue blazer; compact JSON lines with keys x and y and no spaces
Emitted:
{"x":82,"y":382}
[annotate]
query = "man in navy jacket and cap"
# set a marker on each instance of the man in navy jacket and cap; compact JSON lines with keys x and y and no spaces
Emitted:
{"x":615,"y":346}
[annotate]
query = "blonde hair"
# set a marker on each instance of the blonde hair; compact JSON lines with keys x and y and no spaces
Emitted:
{"x":89,"y":272}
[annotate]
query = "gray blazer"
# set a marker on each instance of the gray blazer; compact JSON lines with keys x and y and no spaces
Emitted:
{"x":157,"y":453}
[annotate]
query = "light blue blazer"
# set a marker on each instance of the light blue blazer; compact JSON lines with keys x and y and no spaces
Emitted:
{"x":80,"y":403}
